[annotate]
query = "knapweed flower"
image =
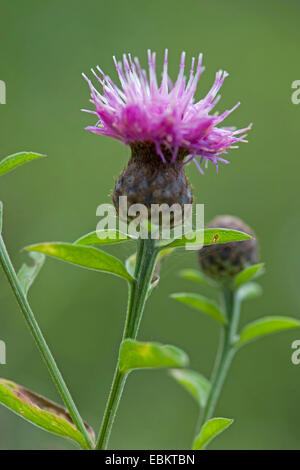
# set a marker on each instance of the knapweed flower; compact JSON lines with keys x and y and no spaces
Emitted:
{"x":164,"y":127}
{"x":165,"y":114}
{"x":224,"y":261}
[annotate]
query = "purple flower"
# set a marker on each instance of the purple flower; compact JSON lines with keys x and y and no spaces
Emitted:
{"x":141,"y":110}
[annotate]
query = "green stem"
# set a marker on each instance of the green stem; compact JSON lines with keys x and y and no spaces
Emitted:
{"x":225,"y":355}
{"x":138,"y":291}
{"x":41,"y":342}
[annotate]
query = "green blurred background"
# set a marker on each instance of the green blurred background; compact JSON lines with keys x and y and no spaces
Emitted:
{"x":45,"y":45}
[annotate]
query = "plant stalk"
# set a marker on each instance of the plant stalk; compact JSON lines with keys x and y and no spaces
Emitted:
{"x":41,"y":342}
{"x":225,"y":355}
{"x":138,"y":291}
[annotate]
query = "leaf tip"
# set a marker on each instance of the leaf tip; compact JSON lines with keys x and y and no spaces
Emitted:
{"x":27,"y":248}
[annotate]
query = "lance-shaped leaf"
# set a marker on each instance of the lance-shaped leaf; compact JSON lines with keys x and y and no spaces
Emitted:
{"x":196,"y":384}
{"x":164,"y":253}
{"x":197,"y":276}
{"x":211,"y":429}
{"x":265,"y":326}
{"x":41,"y":412}
{"x":17,"y":159}
{"x":247,"y":274}
{"x":250,"y":290}
{"x":84,"y":256}
{"x":199,"y":302}
{"x":27,"y":274}
{"x":145,"y":355}
{"x":208,"y":236}
{"x":103,"y":237}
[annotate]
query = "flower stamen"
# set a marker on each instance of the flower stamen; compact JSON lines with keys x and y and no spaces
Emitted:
{"x":166,"y":114}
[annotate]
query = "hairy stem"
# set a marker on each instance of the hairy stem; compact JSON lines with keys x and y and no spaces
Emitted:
{"x":138,"y":291}
{"x":41,"y":342}
{"x":224,"y":356}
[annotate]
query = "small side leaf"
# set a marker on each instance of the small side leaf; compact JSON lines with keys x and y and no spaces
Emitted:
{"x":197,"y":276}
{"x":265,"y":326}
{"x":250,"y":290}
{"x":84,"y":256}
{"x":196,"y":384}
{"x":17,"y":159}
{"x":141,"y":355}
{"x":40,"y":411}
{"x":199,"y":302}
{"x":211,"y":429}
{"x":27,"y":274}
{"x":247,"y":274}
{"x":164,"y":253}
{"x":222,"y":235}
{"x":103,"y":237}
{"x":208,"y":236}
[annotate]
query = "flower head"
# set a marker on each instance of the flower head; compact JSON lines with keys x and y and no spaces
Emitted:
{"x":225,"y":260}
{"x":165,"y":113}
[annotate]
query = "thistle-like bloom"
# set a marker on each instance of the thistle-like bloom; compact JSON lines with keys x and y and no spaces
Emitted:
{"x":166,"y":114}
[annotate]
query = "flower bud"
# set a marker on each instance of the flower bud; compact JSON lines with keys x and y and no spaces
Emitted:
{"x":226,"y":260}
{"x":148,"y":180}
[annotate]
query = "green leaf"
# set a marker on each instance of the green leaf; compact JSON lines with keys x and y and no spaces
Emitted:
{"x":103,"y":237}
{"x":199,"y":302}
{"x":222,"y":235}
{"x":164,"y":253}
{"x":27,"y":274}
{"x":141,"y":355}
{"x":196,"y":384}
{"x":250,"y":290}
{"x":265,"y":326}
{"x":85,"y":256}
{"x":248,"y":273}
{"x":17,"y":159}
{"x":197,"y":276}
{"x":40,"y":411}
{"x":208,"y":236}
{"x":211,"y":429}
